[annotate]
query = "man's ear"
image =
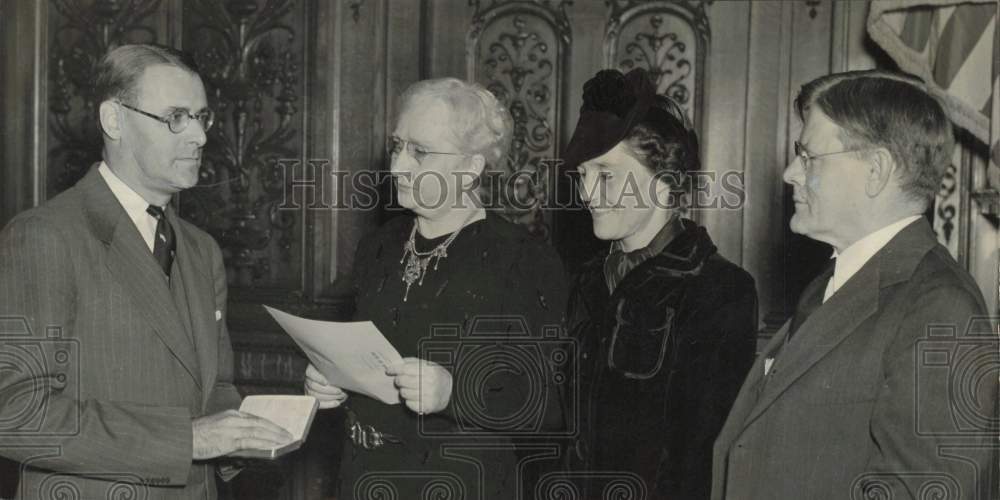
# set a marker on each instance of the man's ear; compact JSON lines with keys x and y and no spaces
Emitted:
{"x":880,"y":168}
{"x":110,"y":120}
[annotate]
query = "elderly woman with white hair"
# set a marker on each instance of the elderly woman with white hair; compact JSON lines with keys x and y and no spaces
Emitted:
{"x":455,"y":267}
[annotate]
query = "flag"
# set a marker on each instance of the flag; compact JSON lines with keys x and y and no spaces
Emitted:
{"x":950,"y":45}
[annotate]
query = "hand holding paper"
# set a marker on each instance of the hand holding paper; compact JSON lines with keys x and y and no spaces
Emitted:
{"x":425,"y":386}
{"x":317,"y":386}
{"x":352,"y":356}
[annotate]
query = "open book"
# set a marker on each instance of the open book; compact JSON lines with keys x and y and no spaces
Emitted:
{"x":293,"y":413}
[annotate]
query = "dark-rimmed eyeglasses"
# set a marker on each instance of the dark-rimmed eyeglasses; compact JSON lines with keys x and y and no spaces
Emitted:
{"x":802,"y":154}
{"x":394,"y":146}
{"x":179,"y":119}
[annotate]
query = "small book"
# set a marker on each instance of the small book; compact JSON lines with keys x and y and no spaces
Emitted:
{"x":292,"y":413}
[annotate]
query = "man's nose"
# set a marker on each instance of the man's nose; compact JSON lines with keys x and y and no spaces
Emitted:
{"x":196,"y":133}
{"x":794,"y":173}
{"x":401,"y":165}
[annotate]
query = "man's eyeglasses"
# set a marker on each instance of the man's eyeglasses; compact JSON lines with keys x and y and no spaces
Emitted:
{"x":178,"y":120}
{"x":395,"y":145}
{"x":802,"y":154}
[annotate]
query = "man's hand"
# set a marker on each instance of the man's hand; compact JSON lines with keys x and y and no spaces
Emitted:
{"x":423,"y":385}
{"x":225,"y":432}
{"x":318,"y":387}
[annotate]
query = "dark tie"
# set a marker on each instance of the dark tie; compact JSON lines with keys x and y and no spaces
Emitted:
{"x":808,"y":303}
{"x":164,"y":244}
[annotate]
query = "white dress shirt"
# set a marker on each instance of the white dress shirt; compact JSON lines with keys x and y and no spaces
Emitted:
{"x":854,"y":258}
{"x":134,"y":204}
{"x":860,"y":252}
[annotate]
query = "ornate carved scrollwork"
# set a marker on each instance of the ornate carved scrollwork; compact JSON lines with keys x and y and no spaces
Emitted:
{"x":517,"y":50}
{"x":250,"y":60}
{"x":667,"y":38}
{"x":947,"y":206}
{"x":82,"y":33}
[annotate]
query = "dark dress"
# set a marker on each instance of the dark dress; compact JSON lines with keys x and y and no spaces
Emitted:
{"x":481,"y":311}
{"x":661,"y":362}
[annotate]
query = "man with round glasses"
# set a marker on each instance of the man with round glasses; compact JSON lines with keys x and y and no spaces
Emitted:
{"x":137,"y":396}
{"x":884,"y":382}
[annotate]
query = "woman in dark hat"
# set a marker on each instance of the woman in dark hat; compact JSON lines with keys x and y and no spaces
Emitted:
{"x":666,"y":325}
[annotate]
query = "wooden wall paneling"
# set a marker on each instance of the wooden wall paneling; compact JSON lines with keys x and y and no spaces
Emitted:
{"x":851,"y":49}
{"x":518,"y":50}
{"x":982,"y":243}
{"x":447,"y":27}
{"x":724,"y":131}
{"x":810,"y":57}
{"x":764,"y":158}
{"x":668,"y":39}
{"x":79,"y":35}
{"x":250,"y":57}
{"x":23,"y":31}
{"x":316,"y":183}
{"x":361,"y":113}
{"x":572,"y":227}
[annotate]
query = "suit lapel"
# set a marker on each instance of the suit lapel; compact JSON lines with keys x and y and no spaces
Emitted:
{"x":131,"y":263}
{"x":199,"y":293}
{"x":820,"y":333}
{"x":748,"y":397}
{"x":845,"y":311}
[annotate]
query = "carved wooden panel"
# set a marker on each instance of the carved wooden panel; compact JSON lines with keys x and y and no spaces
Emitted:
{"x":669,"y":39}
{"x":250,"y":56}
{"x":80,"y":33}
{"x":517,"y":49}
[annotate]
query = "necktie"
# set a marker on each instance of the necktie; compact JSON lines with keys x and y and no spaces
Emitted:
{"x":809,"y":303}
{"x":164,"y":244}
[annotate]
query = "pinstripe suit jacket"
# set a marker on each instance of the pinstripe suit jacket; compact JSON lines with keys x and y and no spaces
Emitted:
{"x":103,"y":364}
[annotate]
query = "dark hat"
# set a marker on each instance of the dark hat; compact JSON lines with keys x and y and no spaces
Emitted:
{"x":613,"y":104}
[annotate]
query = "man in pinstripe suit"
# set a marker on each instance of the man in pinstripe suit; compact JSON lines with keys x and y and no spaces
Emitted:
{"x":115,"y":362}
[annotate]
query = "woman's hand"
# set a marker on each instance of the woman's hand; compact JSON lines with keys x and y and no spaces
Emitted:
{"x":317,"y":386}
{"x":423,"y":385}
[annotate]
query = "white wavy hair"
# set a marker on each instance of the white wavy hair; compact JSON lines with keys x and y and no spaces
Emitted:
{"x":480,"y":123}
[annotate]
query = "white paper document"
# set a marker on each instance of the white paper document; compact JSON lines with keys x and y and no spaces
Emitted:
{"x":352,"y":355}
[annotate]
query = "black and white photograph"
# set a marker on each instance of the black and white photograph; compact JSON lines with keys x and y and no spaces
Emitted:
{"x":500,"y":249}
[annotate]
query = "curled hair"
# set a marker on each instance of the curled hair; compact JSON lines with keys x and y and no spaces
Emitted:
{"x":479,"y":122}
{"x":665,"y":143}
{"x":895,"y":111}
{"x":117,"y":74}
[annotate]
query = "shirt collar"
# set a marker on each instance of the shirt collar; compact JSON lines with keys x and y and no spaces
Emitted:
{"x":854,"y":257}
{"x":133,"y":203}
{"x":619,"y":262}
